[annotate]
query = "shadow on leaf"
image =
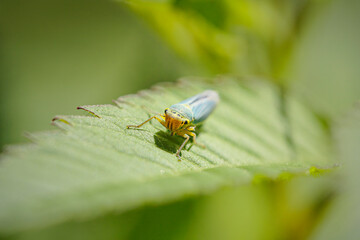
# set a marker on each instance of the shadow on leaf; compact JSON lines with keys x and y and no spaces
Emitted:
{"x":166,"y":142}
{"x":171,"y":144}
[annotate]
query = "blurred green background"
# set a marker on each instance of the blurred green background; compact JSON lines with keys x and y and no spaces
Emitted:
{"x":55,"y":56}
{"x":58,"y":55}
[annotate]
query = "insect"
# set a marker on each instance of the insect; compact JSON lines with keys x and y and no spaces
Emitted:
{"x":182,"y":118}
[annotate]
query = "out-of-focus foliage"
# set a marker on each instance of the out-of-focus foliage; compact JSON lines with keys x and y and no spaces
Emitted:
{"x":341,"y":221}
{"x":278,"y":209}
{"x":325,"y":70}
{"x":281,"y":209}
{"x":235,"y":36}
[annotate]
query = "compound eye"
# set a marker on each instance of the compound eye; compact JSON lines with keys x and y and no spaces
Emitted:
{"x":166,"y":111}
{"x":186,"y":121}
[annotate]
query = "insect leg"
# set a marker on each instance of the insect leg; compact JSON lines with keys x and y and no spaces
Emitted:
{"x":194,"y":139}
{"x":161,"y":120}
{"x":182,"y":145}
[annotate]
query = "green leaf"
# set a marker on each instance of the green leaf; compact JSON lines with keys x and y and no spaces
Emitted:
{"x":95,"y":165}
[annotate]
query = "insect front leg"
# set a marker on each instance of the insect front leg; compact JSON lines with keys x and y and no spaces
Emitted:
{"x":161,"y":119}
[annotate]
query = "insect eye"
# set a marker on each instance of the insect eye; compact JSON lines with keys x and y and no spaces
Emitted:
{"x":166,"y":111}
{"x":186,"y":121}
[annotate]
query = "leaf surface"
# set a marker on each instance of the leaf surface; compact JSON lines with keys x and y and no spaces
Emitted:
{"x":96,"y":166}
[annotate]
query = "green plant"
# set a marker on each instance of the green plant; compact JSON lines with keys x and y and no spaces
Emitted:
{"x":271,"y":168}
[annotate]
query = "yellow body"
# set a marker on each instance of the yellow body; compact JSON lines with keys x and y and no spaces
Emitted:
{"x":177,"y":124}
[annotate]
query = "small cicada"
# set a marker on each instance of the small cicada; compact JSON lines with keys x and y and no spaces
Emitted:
{"x":182,"y":118}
